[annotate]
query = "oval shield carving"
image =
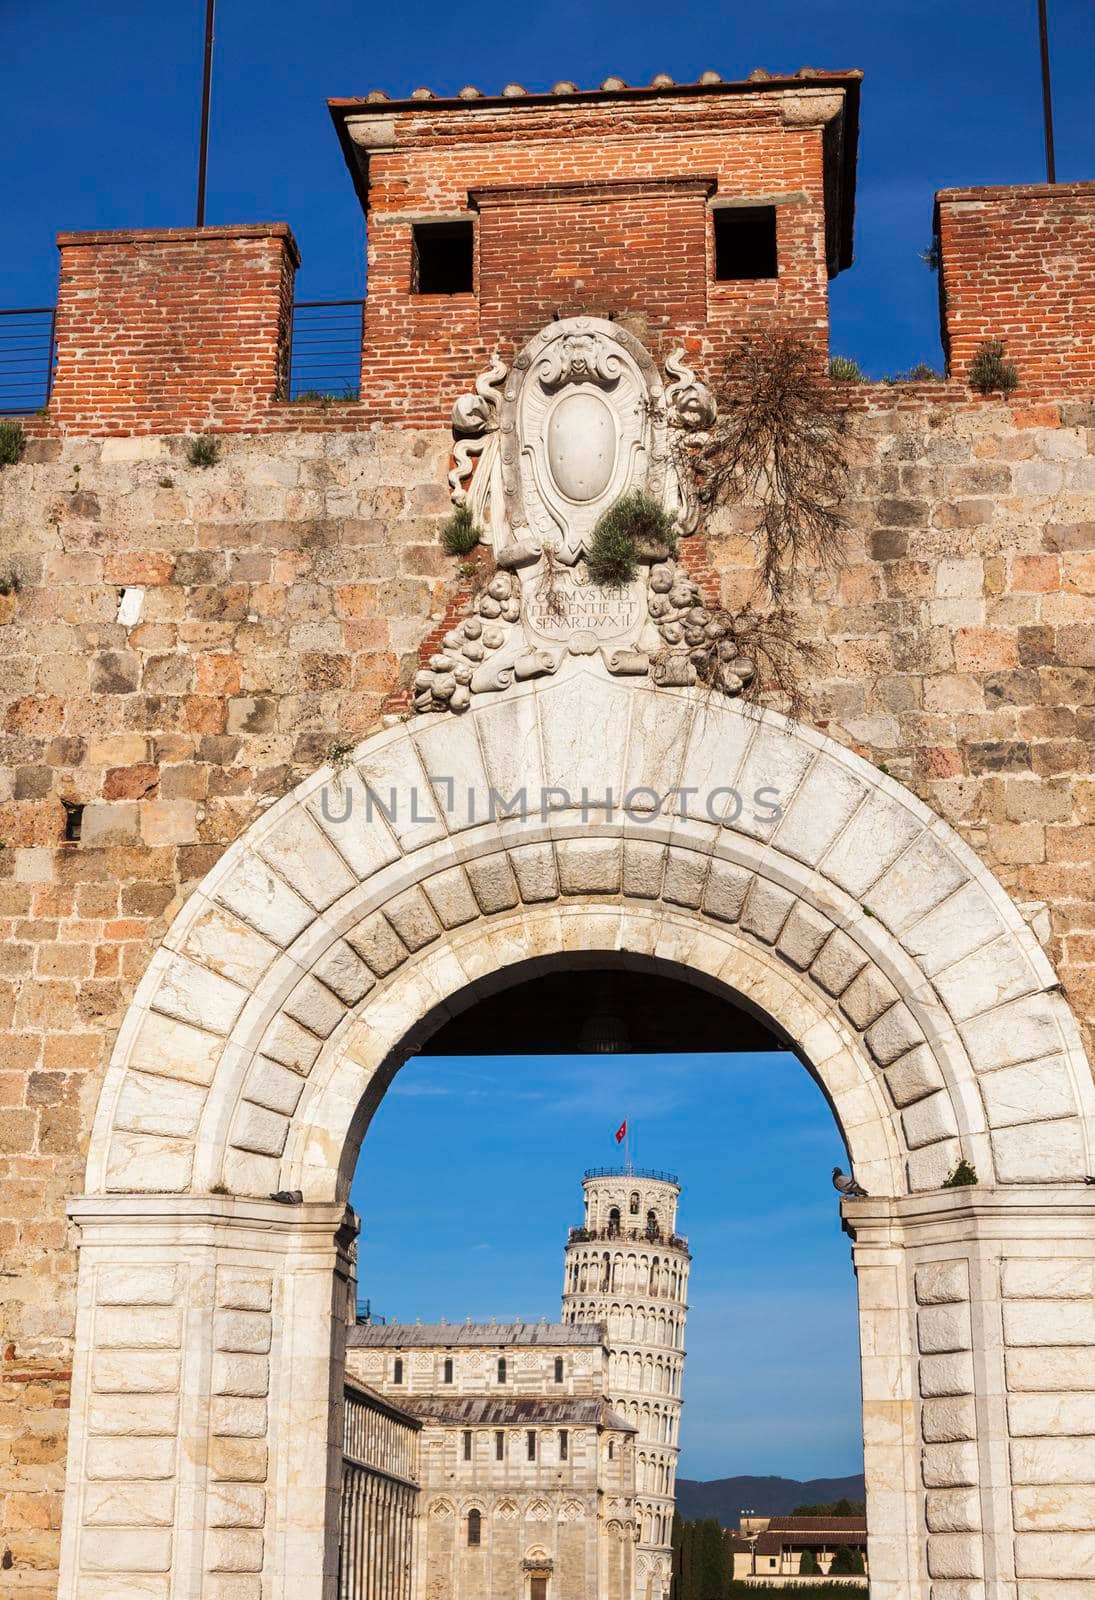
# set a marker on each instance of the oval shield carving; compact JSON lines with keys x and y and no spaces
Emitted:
{"x":581,"y":445}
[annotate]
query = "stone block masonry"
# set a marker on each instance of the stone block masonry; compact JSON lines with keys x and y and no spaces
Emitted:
{"x":275,"y":602}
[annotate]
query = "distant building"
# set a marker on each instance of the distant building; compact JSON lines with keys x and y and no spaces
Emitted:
{"x":627,"y":1269}
{"x":378,"y":1497}
{"x":773,"y":1547}
{"x":528,"y":1461}
{"x":526,"y":1473}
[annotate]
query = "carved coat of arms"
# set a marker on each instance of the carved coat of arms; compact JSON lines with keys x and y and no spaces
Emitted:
{"x":540,"y":452}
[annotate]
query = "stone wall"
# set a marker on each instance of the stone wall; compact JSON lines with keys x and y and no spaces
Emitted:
{"x":182,"y":645}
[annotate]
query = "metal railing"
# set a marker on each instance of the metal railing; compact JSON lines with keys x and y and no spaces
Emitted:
{"x":632,"y":1172}
{"x":325,"y":350}
{"x":27,"y":341}
{"x":673,"y":1241}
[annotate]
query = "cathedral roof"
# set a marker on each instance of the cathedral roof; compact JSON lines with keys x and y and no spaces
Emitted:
{"x":356,"y":1389}
{"x":518,"y":1410}
{"x":454,"y":1335}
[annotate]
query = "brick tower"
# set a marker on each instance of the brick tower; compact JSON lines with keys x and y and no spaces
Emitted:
{"x":627,"y":1268}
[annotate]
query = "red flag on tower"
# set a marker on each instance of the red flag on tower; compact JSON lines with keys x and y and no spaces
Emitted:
{"x":621,"y":1132}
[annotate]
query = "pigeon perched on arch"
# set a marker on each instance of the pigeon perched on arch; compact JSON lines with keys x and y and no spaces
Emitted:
{"x":846,"y":1186}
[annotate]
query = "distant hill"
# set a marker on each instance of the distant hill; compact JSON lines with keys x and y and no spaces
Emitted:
{"x":727,"y":1498}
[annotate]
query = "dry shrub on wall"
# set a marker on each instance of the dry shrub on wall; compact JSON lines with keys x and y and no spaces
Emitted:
{"x":771,"y":638}
{"x":549,"y":590}
{"x":778,"y":443}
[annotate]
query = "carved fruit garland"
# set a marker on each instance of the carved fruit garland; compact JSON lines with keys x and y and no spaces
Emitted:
{"x":463,"y":664}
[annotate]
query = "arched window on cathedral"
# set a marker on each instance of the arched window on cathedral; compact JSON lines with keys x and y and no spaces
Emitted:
{"x":652,"y":1229}
{"x":633,"y":1205}
{"x":614,"y":1220}
{"x":475,"y":1527}
{"x":397,"y":1370}
{"x":501,"y":1369}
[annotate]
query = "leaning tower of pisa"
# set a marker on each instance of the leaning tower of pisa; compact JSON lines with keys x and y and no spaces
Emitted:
{"x":627,"y":1267}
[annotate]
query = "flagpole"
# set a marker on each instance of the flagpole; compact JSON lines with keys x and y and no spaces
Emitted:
{"x":207,"y":81}
{"x":1047,"y":93}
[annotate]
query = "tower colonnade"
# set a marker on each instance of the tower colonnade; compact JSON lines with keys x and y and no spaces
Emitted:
{"x":627,"y":1268}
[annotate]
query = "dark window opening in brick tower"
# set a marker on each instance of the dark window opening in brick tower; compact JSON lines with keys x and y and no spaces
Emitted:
{"x":745,"y":243}
{"x":443,"y":257}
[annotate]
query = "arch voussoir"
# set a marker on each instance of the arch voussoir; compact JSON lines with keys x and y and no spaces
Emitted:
{"x":434,"y":838}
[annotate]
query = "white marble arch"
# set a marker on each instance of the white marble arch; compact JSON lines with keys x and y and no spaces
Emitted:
{"x":769,"y":863}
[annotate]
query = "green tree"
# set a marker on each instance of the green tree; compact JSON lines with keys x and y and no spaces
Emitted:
{"x":808,"y":1564}
{"x":832,"y":1508}
{"x":711,"y":1571}
{"x":847,"y":1562}
{"x":676,"y":1543}
{"x":685,"y":1560}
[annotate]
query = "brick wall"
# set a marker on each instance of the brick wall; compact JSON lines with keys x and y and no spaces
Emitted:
{"x":1018,"y":264}
{"x":597,"y":206}
{"x":592,"y":203}
{"x":181,"y":328}
{"x":637,"y":249}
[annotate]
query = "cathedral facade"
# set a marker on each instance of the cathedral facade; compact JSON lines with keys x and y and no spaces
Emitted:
{"x":546,"y":1452}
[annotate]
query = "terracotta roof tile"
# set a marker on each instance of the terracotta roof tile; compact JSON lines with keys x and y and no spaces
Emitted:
{"x":817,"y":1524}
{"x":481,"y":1411}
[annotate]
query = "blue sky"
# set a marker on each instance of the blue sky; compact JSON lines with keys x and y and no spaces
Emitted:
{"x":98,"y":119}
{"x":471,"y":1174}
